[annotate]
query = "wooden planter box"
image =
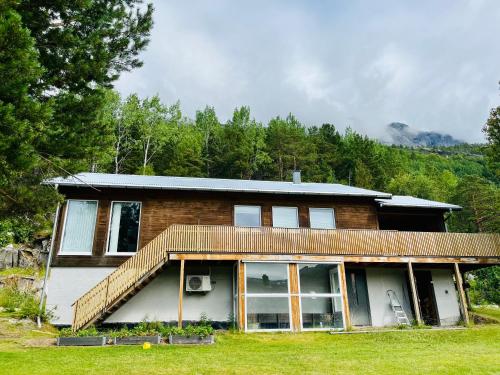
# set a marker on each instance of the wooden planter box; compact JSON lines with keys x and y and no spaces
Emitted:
{"x":82,"y":341}
{"x":137,"y":340}
{"x":181,"y":340}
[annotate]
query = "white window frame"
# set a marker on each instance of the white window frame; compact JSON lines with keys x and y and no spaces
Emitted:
{"x":79,"y":253}
{"x":128,"y":254}
{"x":296,"y":214}
{"x":247,"y":205}
{"x":323,"y":209}
{"x":268,"y":295}
{"x":321,"y":295}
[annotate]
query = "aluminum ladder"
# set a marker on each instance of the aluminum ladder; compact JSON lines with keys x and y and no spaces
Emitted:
{"x":398,"y":310}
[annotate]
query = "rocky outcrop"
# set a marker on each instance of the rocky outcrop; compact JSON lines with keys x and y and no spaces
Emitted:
{"x":401,"y":134}
{"x":25,"y":256}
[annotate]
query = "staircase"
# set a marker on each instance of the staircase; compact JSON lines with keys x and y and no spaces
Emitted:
{"x":123,"y":283}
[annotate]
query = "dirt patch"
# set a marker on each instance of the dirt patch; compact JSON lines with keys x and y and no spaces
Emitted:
{"x":39,"y":342}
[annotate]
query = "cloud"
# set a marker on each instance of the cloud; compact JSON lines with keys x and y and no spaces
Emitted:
{"x":364,"y":64}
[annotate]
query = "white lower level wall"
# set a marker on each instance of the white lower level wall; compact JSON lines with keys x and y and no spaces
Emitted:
{"x":379,"y":281}
{"x":157,"y":301}
{"x":446,"y":297}
{"x":66,"y":285}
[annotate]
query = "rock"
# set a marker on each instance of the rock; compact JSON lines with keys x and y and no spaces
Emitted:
{"x":25,"y":256}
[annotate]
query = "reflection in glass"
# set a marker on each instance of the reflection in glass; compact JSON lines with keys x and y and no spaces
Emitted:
{"x":268,"y":313}
{"x":267,"y":278}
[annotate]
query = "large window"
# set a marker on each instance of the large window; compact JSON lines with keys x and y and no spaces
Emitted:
{"x":267,"y":296}
{"x":124,"y":227}
{"x":321,"y":218}
{"x":247,"y":216}
{"x":285,"y":217}
{"x":79,"y":227}
{"x":320,"y":298}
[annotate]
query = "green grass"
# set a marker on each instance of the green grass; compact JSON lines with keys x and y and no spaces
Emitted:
{"x":488,"y":312}
{"x":17,"y":271}
{"x":470,"y":351}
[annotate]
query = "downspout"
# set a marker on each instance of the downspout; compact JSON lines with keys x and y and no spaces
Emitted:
{"x":49,"y":260}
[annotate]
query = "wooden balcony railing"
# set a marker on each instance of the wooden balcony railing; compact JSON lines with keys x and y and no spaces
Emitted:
{"x":268,"y":240}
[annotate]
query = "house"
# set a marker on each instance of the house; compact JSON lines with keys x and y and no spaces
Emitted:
{"x":268,"y":255}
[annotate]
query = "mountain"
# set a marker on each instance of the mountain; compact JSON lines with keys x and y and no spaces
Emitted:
{"x":401,"y":134}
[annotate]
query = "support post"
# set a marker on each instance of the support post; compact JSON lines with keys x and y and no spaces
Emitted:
{"x":414,"y":294}
{"x":345,"y":300}
{"x":181,"y":292}
{"x":294,"y":296}
{"x":461,"y":294}
{"x":241,"y":296}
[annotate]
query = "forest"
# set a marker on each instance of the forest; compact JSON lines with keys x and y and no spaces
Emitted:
{"x":60,"y":115}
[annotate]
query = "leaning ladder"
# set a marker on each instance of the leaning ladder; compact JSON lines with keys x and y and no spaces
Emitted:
{"x":398,"y":310}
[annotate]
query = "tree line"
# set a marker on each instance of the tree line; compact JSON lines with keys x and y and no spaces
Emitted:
{"x":59,"y":115}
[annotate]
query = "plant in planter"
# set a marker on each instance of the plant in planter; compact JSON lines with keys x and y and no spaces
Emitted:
{"x":199,"y":334}
{"x":141,"y":333}
{"x":85,"y":337}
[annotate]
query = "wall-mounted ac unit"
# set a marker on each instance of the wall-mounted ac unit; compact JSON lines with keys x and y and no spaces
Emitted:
{"x":198,"y":283}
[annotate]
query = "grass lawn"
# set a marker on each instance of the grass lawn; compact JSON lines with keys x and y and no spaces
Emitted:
{"x":489,"y":312}
{"x":472,"y":351}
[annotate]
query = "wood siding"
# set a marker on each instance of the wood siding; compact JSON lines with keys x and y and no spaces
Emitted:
{"x":160,"y":209}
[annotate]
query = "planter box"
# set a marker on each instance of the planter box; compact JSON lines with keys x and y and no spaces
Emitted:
{"x":82,"y":341}
{"x":137,"y":340}
{"x":179,"y":339}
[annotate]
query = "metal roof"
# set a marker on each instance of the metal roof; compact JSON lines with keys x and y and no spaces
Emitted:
{"x":409,"y":201}
{"x":211,"y":184}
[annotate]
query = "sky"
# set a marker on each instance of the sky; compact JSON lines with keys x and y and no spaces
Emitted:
{"x":434,"y":65}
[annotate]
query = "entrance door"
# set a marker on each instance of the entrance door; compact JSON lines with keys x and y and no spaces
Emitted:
{"x":425,"y":291}
{"x":357,"y":294}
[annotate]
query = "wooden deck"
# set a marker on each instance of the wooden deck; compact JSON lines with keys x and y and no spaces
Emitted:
{"x":229,"y":241}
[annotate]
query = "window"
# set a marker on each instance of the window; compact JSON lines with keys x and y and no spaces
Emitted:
{"x":320,"y":298}
{"x":79,"y":226}
{"x":247,"y":216}
{"x":322,"y":218}
{"x":285,"y":217}
{"x":267,"y":296}
{"x":124,"y":227}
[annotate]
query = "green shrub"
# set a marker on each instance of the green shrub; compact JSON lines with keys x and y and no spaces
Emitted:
{"x":22,"y":305}
{"x":16,"y":230}
{"x":91,"y":331}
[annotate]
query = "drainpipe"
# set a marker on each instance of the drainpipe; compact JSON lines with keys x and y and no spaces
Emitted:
{"x":47,"y":268}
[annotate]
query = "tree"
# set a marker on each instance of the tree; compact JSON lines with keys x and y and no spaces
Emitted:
{"x":151,"y":121}
{"x":209,"y":126}
{"x":56,"y":58}
{"x":492,"y":131}
{"x":288,"y":147}
{"x":480,"y":200}
{"x":242,"y":152}
{"x":22,"y":120}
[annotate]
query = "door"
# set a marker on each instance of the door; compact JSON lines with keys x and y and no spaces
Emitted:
{"x":357,"y":294}
{"x":425,"y":291}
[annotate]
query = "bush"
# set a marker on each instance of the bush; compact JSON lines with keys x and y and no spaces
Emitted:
{"x":22,"y":304}
{"x":88,"y":332}
{"x":16,"y":230}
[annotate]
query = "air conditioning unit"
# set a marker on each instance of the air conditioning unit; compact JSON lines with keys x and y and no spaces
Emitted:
{"x":198,"y":283}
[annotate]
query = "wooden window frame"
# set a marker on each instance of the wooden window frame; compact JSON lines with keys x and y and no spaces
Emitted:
{"x":268,"y":295}
{"x":320,"y":295}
